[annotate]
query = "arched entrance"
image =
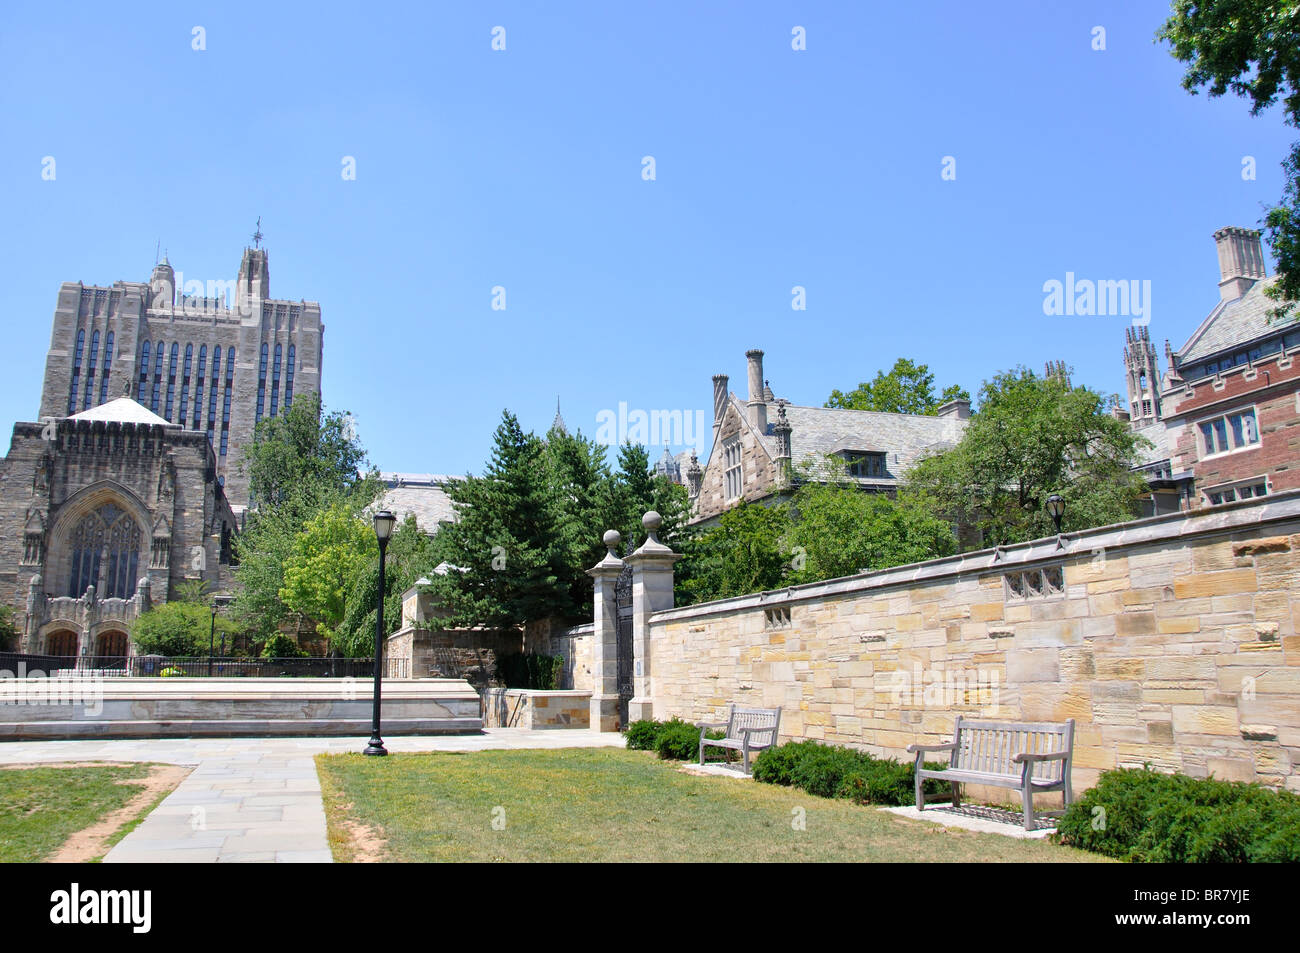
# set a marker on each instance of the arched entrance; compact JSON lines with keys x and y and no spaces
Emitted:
{"x":110,"y":649}
{"x":62,"y":643}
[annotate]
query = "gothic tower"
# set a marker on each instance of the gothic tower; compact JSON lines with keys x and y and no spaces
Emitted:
{"x":1143,"y":377}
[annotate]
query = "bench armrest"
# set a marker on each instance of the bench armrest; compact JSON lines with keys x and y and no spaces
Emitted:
{"x":746,"y":731}
{"x":710,"y":724}
{"x":1034,"y":758}
{"x":915,"y":749}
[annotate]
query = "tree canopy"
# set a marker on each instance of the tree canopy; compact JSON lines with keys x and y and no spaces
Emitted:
{"x":908,"y":388}
{"x":1032,"y":436}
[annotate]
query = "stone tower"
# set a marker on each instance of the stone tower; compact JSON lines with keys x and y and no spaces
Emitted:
{"x":1143,"y":377}
{"x":215,"y":356}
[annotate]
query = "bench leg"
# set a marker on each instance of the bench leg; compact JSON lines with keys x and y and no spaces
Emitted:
{"x":746,"y":754}
{"x":956,"y":794}
{"x":916,"y":777}
{"x":1027,"y":794}
{"x":702,"y":730}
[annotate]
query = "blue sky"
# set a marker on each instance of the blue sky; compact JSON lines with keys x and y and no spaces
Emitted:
{"x":522,"y":169}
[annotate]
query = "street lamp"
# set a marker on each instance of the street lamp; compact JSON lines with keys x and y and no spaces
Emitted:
{"x":1056,"y":509}
{"x":217,"y":602}
{"x":384,"y":522}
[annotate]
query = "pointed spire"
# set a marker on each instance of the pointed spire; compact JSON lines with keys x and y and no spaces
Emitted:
{"x":558,"y":422}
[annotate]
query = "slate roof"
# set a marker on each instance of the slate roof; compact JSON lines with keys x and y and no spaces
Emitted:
{"x":1231,"y":324}
{"x":123,"y":410}
{"x":421,"y":494}
{"x":1158,"y":434}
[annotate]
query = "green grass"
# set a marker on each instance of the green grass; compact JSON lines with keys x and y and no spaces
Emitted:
{"x":41,"y":807}
{"x":614,"y":805}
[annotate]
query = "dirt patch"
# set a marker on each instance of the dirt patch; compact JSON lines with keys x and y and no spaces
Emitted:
{"x":86,"y":845}
{"x":366,"y":845}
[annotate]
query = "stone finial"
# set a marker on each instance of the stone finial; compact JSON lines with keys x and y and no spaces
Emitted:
{"x":652,"y":521}
{"x":611,"y":563}
{"x":611,"y":539}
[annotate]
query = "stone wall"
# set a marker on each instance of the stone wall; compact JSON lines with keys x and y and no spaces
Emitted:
{"x":1171,"y":641}
{"x":521,"y":708}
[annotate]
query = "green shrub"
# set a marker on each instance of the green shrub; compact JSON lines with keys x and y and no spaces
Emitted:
{"x":834,"y":771}
{"x":281,"y":646}
{"x":643,"y":735}
{"x":678,"y":740}
{"x":1144,"y":816}
{"x":774,"y":765}
{"x":820,"y":768}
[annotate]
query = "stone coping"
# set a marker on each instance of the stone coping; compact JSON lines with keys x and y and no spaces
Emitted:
{"x":536,"y":692}
{"x":212,"y":689}
{"x":1221,"y":520}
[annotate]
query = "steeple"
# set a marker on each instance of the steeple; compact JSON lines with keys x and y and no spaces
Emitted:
{"x":254,"y":283}
{"x":558,"y":422}
{"x":1143,"y":377}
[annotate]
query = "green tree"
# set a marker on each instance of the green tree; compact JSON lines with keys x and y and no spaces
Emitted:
{"x":1032,"y":437}
{"x":841,"y":530}
{"x":1252,"y":49}
{"x":509,"y":564}
{"x":745,"y":552}
{"x":333,"y":549}
{"x":179,"y":628}
{"x":408,"y":557}
{"x":908,"y":388}
{"x":8,"y":631}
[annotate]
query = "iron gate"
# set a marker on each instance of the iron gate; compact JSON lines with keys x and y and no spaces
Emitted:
{"x":623,"y":612}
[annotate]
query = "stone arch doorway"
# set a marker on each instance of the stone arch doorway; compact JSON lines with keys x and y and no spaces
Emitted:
{"x":62,"y":643}
{"x":111,"y":648}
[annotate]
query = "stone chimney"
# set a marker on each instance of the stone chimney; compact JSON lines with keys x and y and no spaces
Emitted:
{"x":719,"y":402}
{"x":756,"y":405}
{"x":1241,"y":261}
{"x":958,"y":409}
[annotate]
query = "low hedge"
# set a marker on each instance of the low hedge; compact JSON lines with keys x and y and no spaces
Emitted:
{"x":834,"y":771}
{"x":674,"y":739}
{"x":1140,"y":815}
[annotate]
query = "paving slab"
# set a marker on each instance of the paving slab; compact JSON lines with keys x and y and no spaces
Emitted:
{"x":983,"y":820}
{"x":257,"y":800}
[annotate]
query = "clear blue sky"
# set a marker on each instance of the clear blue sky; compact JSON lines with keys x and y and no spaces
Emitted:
{"x":522,"y":169}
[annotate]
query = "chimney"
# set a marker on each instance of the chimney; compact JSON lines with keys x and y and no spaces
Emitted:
{"x":958,"y":409}
{"x":1241,"y":261}
{"x":719,"y":402}
{"x":756,"y":405}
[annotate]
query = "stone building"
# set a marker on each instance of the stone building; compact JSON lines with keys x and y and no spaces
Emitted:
{"x":1224,"y":417}
{"x":759,"y":442}
{"x":103,"y":513}
{"x":212,"y":358}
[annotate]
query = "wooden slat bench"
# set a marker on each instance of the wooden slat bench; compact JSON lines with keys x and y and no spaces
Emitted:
{"x":747,"y":729}
{"x":1030,"y":757}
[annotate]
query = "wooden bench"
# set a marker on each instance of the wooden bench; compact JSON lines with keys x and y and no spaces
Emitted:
{"x":1032,"y":758}
{"x":747,"y":729}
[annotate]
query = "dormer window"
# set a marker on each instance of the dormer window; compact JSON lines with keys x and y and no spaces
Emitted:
{"x":866,"y":464}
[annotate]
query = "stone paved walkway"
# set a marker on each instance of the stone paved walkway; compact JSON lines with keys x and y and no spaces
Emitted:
{"x":256,"y":799}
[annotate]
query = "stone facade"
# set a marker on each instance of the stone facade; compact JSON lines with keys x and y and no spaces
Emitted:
{"x":522,"y":708}
{"x":104,"y":513}
{"x":1172,"y":641}
{"x":171,"y":348}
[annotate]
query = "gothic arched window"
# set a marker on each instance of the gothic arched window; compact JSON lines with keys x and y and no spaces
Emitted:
{"x":109,"y":540}
{"x":76,"y":373}
{"x":108,"y":363}
{"x":288,"y":381}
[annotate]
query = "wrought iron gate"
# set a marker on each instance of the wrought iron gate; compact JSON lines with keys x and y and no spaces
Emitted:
{"x":623,"y":607}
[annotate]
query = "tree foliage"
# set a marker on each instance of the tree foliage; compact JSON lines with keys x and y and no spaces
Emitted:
{"x":1032,"y":436}
{"x":1250,"y":48}
{"x":409,"y":555}
{"x":179,"y":628}
{"x":334,"y":547}
{"x":908,"y":388}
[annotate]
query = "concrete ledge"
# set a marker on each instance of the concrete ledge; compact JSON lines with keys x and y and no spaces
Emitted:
{"x":48,"y":708}
{"x":527,"y":708}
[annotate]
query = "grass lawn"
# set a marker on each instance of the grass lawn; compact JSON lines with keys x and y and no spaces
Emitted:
{"x":607,"y":804}
{"x":42,"y":807}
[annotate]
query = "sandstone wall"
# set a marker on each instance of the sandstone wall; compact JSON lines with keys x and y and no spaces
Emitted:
{"x":1171,"y":641}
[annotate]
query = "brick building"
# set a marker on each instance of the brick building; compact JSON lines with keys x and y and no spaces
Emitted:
{"x":1225,"y":415}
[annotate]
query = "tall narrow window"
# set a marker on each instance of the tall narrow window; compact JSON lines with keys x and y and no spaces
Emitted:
{"x":261,"y":384}
{"x":288,"y":381}
{"x":185,"y":383}
{"x":198,"y":387}
{"x":157,"y":375}
{"x":76,"y":372}
{"x":275,"y":381}
{"x":732,"y":472}
{"x":212,"y":396}
{"x":108,"y":364}
{"x":144,"y":372}
{"x":90,"y":371}
{"x":171,"y":378}
{"x":225,"y":409}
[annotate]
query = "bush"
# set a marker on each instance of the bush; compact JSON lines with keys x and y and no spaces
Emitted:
{"x":281,"y":646}
{"x":678,"y":740}
{"x":834,"y":771}
{"x":531,"y":670}
{"x":1144,"y":816}
{"x":643,"y":735}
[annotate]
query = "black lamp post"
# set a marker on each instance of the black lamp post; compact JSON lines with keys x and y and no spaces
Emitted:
{"x":1056,"y":509}
{"x":384,"y":522}
{"x":217,"y":603}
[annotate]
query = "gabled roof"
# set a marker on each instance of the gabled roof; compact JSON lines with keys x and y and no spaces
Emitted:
{"x":820,"y":431}
{"x":123,"y":410}
{"x":1232,"y":324}
{"x":421,"y":494}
